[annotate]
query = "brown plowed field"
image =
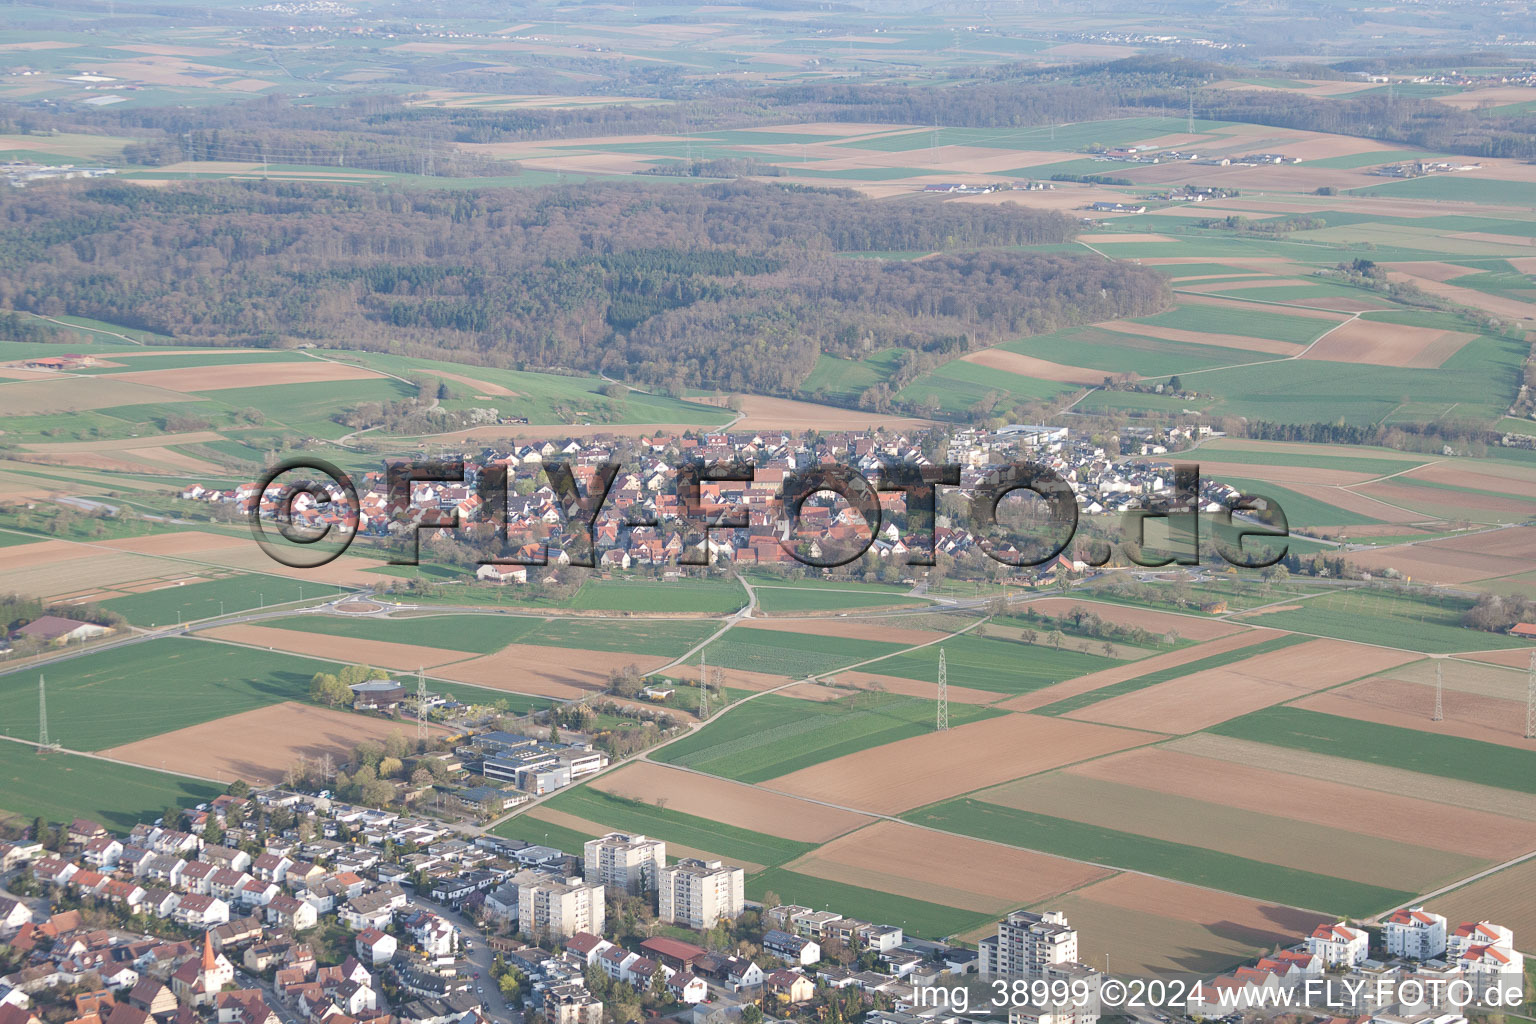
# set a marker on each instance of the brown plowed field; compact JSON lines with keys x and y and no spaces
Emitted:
{"x":1238,"y":341}
{"x":955,"y":871}
{"x":1029,"y":366}
{"x":975,"y":755}
{"x":1286,"y":475}
{"x":1382,"y":344}
{"x":355,"y":651}
{"x":1249,"y":832}
{"x":1517,"y":481}
{"x":1360,"y":774}
{"x":1409,"y":706}
{"x":559,"y":672}
{"x":735,"y":678}
{"x":1508,"y":897}
{"x":1227,"y":928}
{"x":1206,"y":698}
{"x":1335,"y":804}
{"x":245,"y":375}
{"x":1213,"y":300}
{"x":762,"y":413}
{"x":74,"y":394}
{"x":186,"y":543}
{"x":259,"y":745}
{"x":1120,"y":673}
{"x":733,"y":803}
{"x":1459,"y":559}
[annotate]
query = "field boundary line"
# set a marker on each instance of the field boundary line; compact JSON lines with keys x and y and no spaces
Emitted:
{"x":1461,"y":884}
{"x":119,"y":761}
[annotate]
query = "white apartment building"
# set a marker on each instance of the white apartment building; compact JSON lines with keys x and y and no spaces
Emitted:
{"x":698,"y":893}
{"x":628,"y":863}
{"x":1415,"y":933}
{"x":1339,"y":944}
{"x":1027,"y":943}
{"x":558,"y":909}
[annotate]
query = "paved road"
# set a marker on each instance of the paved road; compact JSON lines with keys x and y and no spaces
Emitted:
{"x":478,"y":954}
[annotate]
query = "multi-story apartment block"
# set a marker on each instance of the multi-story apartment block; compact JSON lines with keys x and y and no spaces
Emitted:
{"x":1027,"y":943}
{"x":625,"y":862}
{"x":558,"y":909}
{"x":1338,"y":945}
{"x":698,"y":893}
{"x":1415,"y":933}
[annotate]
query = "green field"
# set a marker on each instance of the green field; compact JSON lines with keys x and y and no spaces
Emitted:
{"x":1450,"y":757}
{"x":729,"y":842}
{"x":916,"y":917}
{"x":1082,"y":700}
{"x":478,"y":634}
{"x":172,"y":604}
{"x":958,"y":385}
{"x":1456,"y":189}
{"x":710,"y":596}
{"x":1118,"y":352}
{"x":139,"y":690}
{"x":1300,"y":510}
{"x":772,"y":735}
{"x":1002,"y":666}
{"x":795,"y":655}
{"x":1185,"y":863}
{"x":1390,"y":619}
{"x":62,"y":787}
{"x":659,"y":637}
{"x":543,"y":833}
{"x":774,"y":599}
{"x":1253,"y":323}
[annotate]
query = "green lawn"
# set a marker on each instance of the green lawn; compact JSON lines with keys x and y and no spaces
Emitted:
{"x":1428,"y":624}
{"x":1083,"y":700}
{"x":1449,"y":757}
{"x":62,"y":787}
{"x":915,"y":917}
{"x":1182,"y":862}
{"x":1002,"y":666}
{"x":772,"y":735}
{"x":129,"y":693}
{"x":676,"y":827}
{"x":8,"y":539}
{"x":171,"y":604}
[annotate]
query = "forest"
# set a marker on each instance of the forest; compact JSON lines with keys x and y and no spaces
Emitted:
{"x":735,"y":286}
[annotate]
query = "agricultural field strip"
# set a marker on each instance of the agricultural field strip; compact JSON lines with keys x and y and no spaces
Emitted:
{"x":1091,"y":697}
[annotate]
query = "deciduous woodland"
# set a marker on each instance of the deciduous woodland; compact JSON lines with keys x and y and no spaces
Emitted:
{"x":734,"y":286}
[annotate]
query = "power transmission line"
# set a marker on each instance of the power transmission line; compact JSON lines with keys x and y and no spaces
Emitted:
{"x":943,"y":722}
{"x":42,"y":717}
{"x":1439,"y":693}
{"x":1530,"y":700}
{"x":421,"y":707}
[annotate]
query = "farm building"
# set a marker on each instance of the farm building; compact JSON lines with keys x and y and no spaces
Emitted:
{"x":55,"y":629}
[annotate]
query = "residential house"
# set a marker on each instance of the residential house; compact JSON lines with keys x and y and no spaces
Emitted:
{"x":793,"y":948}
